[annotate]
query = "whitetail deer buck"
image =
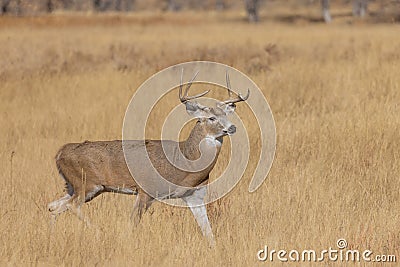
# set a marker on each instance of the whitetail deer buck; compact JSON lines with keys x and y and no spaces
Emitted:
{"x":91,"y":168}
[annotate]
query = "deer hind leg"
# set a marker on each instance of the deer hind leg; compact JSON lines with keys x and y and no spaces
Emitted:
{"x":198,"y":208}
{"x":142,"y":203}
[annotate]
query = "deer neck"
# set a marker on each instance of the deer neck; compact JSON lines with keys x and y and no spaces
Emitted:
{"x":191,"y":147}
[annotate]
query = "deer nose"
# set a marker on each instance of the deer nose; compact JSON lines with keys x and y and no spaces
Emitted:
{"x":232,"y":129}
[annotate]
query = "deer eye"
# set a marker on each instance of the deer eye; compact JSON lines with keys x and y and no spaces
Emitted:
{"x":212,"y":119}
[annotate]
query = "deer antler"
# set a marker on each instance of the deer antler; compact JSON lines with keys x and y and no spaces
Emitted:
{"x":239,"y":96}
{"x":184,"y":97}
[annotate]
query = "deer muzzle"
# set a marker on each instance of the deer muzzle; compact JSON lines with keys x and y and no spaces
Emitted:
{"x":231,"y":130}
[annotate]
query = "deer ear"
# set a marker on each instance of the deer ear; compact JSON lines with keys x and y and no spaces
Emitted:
{"x":227,"y":108}
{"x":196,"y":110}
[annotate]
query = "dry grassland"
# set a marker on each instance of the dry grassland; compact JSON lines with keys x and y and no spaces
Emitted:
{"x":334,"y":91}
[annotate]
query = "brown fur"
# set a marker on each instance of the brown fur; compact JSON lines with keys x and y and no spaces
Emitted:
{"x":91,"y":168}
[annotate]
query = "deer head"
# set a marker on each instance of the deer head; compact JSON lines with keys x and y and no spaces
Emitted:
{"x":213,"y":120}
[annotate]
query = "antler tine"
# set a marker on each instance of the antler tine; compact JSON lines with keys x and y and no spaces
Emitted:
{"x":246,"y":97}
{"x":190,"y":83}
{"x":180,"y":87}
{"x":185,"y":97}
{"x":228,"y":84}
{"x":240,"y":98}
{"x":197,"y":96}
{"x":234,"y":100}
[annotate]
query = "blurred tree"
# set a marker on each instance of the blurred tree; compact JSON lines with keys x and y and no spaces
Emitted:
{"x":124,"y":5}
{"x":219,"y":4}
{"x":360,"y":8}
{"x":117,"y":5}
{"x":326,"y":14}
{"x":3,"y":6}
{"x":10,"y":6}
{"x":172,"y":5}
{"x":49,"y":6}
{"x":252,"y":10}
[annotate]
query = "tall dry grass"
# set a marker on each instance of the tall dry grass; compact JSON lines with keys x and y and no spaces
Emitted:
{"x":334,"y":91}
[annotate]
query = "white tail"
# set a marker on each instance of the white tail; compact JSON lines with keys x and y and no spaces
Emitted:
{"x":91,"y":168}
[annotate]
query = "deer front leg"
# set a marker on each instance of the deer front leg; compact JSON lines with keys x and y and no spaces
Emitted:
{"x":74,"y":205}
{"x":59,"y":206}
{"x":198,"y":208}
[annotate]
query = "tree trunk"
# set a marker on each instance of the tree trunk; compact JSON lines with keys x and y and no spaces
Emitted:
{"x":4,"y":6}
{"x":219,"y":5}
{"x":49,"y":6}
{"x":325,"y":11}
{"x":252,"y":10}
{"x":172,"y":5}
{"x":127,"y":5}
{"x":360,"y":8}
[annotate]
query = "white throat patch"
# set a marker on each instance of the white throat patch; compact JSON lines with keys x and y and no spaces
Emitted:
{"x":211,"y":140}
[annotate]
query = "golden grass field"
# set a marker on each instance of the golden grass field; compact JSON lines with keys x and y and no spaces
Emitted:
{"x":335,"y":94}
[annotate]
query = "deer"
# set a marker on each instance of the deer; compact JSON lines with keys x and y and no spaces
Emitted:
{"x":94,"y":167}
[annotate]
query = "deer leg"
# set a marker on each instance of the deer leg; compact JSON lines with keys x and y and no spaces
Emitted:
{"x":198,"y":208}
{"x":142,"y":203}
{"x":59,"y":206}
{"x":74,"y":205}
{"x":67,"y":202}
{"x":73,"y":202}
{"x":94,"y":192}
